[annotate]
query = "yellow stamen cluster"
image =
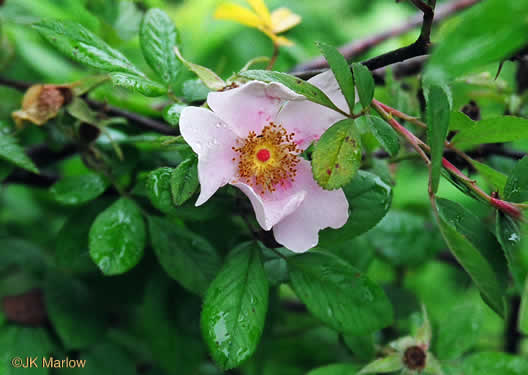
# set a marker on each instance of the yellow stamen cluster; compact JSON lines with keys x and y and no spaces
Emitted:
{"x":277,"y":167}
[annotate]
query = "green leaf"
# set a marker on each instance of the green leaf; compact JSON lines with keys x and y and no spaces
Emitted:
{"x":523,"y":312}
{"x":140,"y":84}
{"x":337,"y":155}
{"x":172,"y":113}
{"x":369,"y":199}
{"x":85,"y":47}
{"x":493,"y":177}
{"x":486,"y":33}
{"x":391,"y":363}
{"x":475,"y":264}
{"x":117,"y":237}
{"x":516,"y":188}
{"x":459,"y":331}
{"x":472,"y":228}
{"x":362,"y":346}
{"x":24,"y":342}
{"x":106,"y":358}
{"x":437,"y":127}
{"x":385,"y":134}
{"x":158,"y":186}
{"x":491,"y":363}
{"x":341,"y":72}
{"x":73,"y":311}
{"x":5,"y":169}
{"x":493,"y":130}
{"x":76,"y":190}
{"x":194,"y":90}
{"x":13,"y":153}
{"x":460,"y":121}
{"x":206,"y":75}
{"x":184,"y":181}
{"x":20,"y":253}
{"x":171,"y":330}
{"x":235,"y":307}
{"x":185,"y":256}
{"x":158,"y":37}
{"x":336,"y":369}
{"x":71,"y":244}
{"x":510,"y":237}
{"x":295,"y":84}
{"x":338,"y":294}
{"x":403,"y":239}
{"x":364,"y":83}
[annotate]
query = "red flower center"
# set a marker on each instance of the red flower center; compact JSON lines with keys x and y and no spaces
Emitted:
{"x":263,"y":155}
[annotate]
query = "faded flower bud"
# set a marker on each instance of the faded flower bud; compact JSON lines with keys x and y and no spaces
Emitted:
{"x":41,"y":103}
{"x":414,"y":358}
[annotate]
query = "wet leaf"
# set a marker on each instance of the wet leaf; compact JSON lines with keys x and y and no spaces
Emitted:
{"x":76,"y":190}
{"x":235,"y":307}
{"x":339,"y":294}
{"x":85,"y":47}
{"x":117,"y":237}
{"x":158,"y":36}
{"x":516,"y":188}
{"x":184,"y":181}
{"x":184,"y":255}
{"x":140,"y":84}
{"x":158,"y":186}
{"x":510,"y":237}
{"x":337,"y":155}
{"x":483,"y":273}
{"x":13,"y":153}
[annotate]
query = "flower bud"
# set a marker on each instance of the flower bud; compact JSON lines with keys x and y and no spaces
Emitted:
{"x":41,"y":103}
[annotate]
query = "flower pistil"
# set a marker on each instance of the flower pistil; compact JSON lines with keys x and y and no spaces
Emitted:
{"x":269,"y":159}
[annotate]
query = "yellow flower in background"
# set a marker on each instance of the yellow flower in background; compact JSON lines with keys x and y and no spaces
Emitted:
{"x":271,"y":24}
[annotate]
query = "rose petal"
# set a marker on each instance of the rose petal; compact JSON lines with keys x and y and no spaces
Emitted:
{"x":309,"y":120}
{"x":270,"y":208}
{"x":250,"y":107}
{"x":211,"y":139}
{"x":320,"y":209}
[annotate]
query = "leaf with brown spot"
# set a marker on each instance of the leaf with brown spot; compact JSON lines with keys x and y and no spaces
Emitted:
{"x":337,"y":155}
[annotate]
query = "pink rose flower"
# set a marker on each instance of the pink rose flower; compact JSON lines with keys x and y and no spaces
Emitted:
{"x":252,"y":139}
